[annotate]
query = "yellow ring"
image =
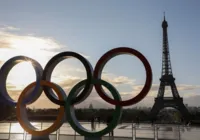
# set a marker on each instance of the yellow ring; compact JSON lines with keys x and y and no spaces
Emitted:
{"x":22,"y":114}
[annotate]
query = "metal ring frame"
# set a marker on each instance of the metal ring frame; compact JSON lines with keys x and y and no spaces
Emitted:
{"x":43,"y":83}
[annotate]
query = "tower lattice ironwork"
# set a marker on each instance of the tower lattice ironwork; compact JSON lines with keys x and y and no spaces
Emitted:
{"x":167,"y":79}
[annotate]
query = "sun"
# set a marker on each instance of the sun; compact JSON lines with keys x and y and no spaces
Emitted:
{"x":21,"y":75}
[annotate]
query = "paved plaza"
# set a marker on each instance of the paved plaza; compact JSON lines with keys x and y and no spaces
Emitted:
{"x":125,"y":131}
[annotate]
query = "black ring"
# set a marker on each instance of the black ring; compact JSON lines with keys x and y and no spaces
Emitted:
{"x":51,"y":65}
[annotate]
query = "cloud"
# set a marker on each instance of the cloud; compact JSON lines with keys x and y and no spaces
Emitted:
{"x":182,"y":87}
{"x":9,"y":28}
{"x":122,"y":80}
{"x":4,"y":43}
{"x":184,"y":90}
{"x":69,"y":82}
{"x":11,"y":86}
{"x":37,"y":47}
{"x":14,"y":41}
{"x":1,"y":62}
{"x":73,"y":69}
{"x":155,"y":87}
{"x":116,"y":80}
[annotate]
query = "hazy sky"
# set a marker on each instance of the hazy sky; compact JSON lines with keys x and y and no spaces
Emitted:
{"x":41,"y":29}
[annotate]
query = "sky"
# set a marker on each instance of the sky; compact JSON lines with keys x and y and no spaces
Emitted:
{"x":42,"y":29}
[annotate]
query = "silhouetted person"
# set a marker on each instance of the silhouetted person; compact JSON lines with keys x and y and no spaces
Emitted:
{"x":182,"y":120}
{"x":92,"y":123}
{"x":109,"y":119}
{"x":189,"y":123}
{"x":137,"y":120}
{"x":99,"y":120}
{"x":153,"y":120}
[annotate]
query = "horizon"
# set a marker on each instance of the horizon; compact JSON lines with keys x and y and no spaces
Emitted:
{"x":92,"y":29}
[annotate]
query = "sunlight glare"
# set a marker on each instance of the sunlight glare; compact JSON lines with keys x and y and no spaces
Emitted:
{"x":21,"y":75}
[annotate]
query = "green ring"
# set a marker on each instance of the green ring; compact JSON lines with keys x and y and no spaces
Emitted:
{"x":69,"y":109}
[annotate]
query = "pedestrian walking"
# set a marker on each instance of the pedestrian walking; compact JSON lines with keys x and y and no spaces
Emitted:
{"x":109,"y":119}
{"x":92,"y":124}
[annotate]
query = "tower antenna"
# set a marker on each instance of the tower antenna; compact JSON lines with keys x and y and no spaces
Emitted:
{"x":164,"y":15}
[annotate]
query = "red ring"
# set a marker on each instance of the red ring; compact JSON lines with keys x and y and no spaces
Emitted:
{"x":105,"y":58}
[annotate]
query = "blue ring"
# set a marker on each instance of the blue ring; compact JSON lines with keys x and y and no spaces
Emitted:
{"x":5,"y":69}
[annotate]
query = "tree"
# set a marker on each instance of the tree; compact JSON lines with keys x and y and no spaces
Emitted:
{"x":8,"y":112}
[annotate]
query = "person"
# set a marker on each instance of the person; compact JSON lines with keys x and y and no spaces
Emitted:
{"x":152,"y":121}
{"x":99,"y":121}
{"x":109,"y":119}
{"x":189,"y":123}
{"x":182,"y":120}
{"x":137,"y":120}
{"x":92,"y":124}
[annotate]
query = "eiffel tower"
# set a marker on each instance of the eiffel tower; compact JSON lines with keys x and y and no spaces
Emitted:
{"x":167,"y":79}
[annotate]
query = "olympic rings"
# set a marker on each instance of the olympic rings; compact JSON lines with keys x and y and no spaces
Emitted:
{"x":33,"y":91}
{"x":71,"y":115}
{"x":22,"y":114}
{"x":105,"y":58}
